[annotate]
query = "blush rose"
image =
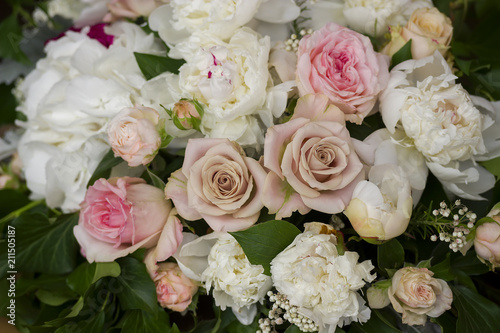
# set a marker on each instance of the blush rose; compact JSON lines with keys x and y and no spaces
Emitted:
{"x":118,"y":216}
{"x":218,"y":183}
{"x":341,"y":64}
{"x":312,"y":162}
{"x":174,"y":290}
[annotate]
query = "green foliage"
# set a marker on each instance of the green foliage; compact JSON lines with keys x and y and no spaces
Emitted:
{"x":390,"y":255}
{"x":153,"y":65}
{"x":137,"y":321}
{"x":137,"y":290}
{"x":8,"y":108}
{"x":155,"y":180}
{"x":262,"y":242}
{"x":475,"y":313}
{"x":43,"y":245}
{"x":10,"y":37}
{"x":11,"y":200}
{"x":87,"y":274}
{"x":403,"y":54}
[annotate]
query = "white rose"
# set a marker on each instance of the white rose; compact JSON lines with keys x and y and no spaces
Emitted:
{"x":442,"y":123}
{"x":320,"y":282}
{"x":220,"y":263}
{"x":381,"y":207}
{"x":68,"y":100}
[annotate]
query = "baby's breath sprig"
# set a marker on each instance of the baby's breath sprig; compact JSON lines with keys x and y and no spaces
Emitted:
{"x":450,"y":224}
{"x":282,"y":310}
{"x":299,"y":28}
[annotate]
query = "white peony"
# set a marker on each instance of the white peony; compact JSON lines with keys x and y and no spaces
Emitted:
{"x":441,"y":121}
{"x":381,"y":207}
{"x":372,"y":17}
{"x":320,"y":282}
{"x":219,"y":262}
{"x":231,"y":79}
{"x":68,"y":100}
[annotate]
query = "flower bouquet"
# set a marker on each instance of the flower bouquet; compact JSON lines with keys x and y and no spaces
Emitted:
{"x":250,"y":166}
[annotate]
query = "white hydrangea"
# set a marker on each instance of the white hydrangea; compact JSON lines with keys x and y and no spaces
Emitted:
{"x":322,"y":283}
{"x":234,"y":281}
{"x":68,"y":100}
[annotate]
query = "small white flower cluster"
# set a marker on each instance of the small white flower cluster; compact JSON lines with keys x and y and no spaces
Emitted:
{"x":336,"y":222}
{"x":282,"y":310}
{"x":292,"y":44}
{"x":456,"y":231}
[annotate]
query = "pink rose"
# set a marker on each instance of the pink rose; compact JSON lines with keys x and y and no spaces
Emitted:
{"x":312,"y":163}
{"x":174,"y":289}
{"x":218,"y":183}
{"x":416,"y":294}
{"x":341,"y":64}
{"x":118,"y":216}
{"x":133,"y":136}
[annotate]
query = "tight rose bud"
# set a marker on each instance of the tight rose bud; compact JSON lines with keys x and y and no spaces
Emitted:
{"x":130,"y":9}
{"x":118,"y":216}
{"x":187,"y":114}
{"x":174,"y":289}
{"x":416,"y":294}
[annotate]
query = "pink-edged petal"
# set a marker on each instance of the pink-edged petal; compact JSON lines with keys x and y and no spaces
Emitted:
{"x":176,"y":190}
{"x":99,"y":251}
{"x":280,"y":199}
{"x":229,"y":223}
{"x":317,"y":107}
{"x":259,"y":178}
{"x":276,"y":138}
{"x":195,"y":149}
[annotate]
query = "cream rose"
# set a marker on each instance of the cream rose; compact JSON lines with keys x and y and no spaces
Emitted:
{"x":218,"y":183}
{"x":416,"y":294}
{"x":381,"y":207}
{"x":133,"y":135}
{"x":312,"y":163}
{"x":487,"y":239}
{"x":174,"y":290}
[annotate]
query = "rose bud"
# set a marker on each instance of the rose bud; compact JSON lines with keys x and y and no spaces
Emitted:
{"x":174,"y":289}
{"x":487,"y":240}
{"x":185,"y":113}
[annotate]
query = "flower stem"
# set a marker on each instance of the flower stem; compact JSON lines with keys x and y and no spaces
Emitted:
{"x":21,"y":210}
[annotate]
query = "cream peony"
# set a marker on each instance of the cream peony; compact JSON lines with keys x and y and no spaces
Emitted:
{"x":381,"y":207}
{"x":320,"y":282}
{"x":219,"y":262}
{"x":448,"y":127}
{"x":416,"y":294}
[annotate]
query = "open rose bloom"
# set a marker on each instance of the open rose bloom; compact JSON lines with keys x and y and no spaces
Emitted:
{"x":119,"y":216}
{"x":342,"y":65}
{"x":313,"y":163}
{"x":218,"y":183}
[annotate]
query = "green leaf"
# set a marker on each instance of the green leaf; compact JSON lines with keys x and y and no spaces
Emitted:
{"x":137,"y":290}
{"x":262,"y":242}
{"x":153,"y":65}
{"x":86,"y":274}
{"x":403,"y":54}
{"x":469,"y":264}
{"x":103,"y":170}
{"x":294,"y":329}
{"x":137,"y":321}
{"x":447,"y":322}
{"x":8,"y":114}
{"x":53,"y":297}
{"x":157,"y":182}
{"x":374,"y":324}
{"x":492,"y":166}
{"x":475,"y":313}
{"x":443,"y":270}
{"x":11,"y":200}
{"x":464,"y":65}
{"x":95,"y":324}
{"x":390,"y":255}
{"x":10,"y":38}
{"x":42,"y":246}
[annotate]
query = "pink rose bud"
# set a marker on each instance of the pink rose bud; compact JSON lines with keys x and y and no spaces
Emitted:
{"x":341,"y":64}
{"x":133,"y":135}
{"x":132,"y":9}
{"x":174,"y":289}
{"x":185,"y":111}
{"x":118,"y":216}
{"x":487,"y":240}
